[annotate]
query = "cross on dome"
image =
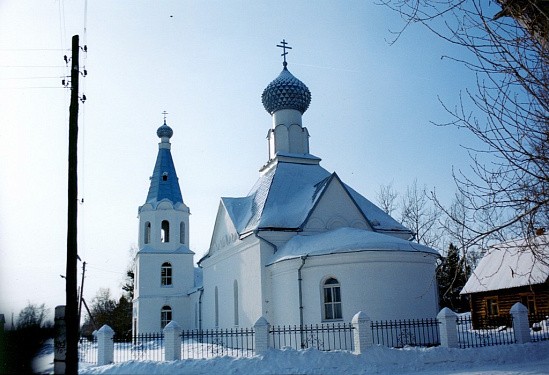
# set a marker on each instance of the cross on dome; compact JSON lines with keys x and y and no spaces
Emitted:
{"x":284,"y":48}
{"x":164,"y":113}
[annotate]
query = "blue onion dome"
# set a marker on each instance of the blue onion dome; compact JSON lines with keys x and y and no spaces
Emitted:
{"x":164,"y":131}
{"x":286,"y":92}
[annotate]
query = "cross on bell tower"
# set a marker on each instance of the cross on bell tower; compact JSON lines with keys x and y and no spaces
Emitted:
{"x":284,"y":48}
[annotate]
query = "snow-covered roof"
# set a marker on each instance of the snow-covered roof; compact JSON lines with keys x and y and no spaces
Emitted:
{"x":284,"y":196}
{"x":344,"y":240}
{"x":511,"y":264}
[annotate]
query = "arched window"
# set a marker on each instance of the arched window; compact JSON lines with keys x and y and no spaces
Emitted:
{"x":147,"y":233}
{"x":166,"y":274}
{"x":182,"y":232}
{"x":216,"y":308}
{"x":332,"y":300}
{"x":165,"y":231}
{"x":165,"y":316}
{"x":235,"y":291}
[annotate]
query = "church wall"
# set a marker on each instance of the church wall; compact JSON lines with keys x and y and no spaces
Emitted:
{"x":285,"y":293}
{"x":240,"y":262}
{"x":384,"y":285}
{"x":149,"y":273}
{"x":149,"y":312}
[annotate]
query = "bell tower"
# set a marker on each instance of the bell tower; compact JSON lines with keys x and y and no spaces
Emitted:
{"x":164,"y":263}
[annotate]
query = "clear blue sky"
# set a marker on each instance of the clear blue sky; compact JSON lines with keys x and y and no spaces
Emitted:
{"x":206,"y":63}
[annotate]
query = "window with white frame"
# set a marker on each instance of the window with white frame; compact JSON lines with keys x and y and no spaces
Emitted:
{"x":165,"y":316}
{"x":331,"y":292}
{"x":166,"y":274}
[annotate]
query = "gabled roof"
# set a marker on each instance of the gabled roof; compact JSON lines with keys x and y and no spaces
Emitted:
{"x":511,"y":264}
{"x":285,"y":195}
{"x":344,"y":240}
{"x":164,"y":181}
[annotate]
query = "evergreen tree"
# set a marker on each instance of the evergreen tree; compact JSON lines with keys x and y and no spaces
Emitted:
{"x":452,"y":274}
{"x":106,"y":310}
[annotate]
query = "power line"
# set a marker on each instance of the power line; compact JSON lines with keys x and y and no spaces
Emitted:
{"x":33,"y":87}
{"x":35,"y":49}
{"x":32,"y":66}
{"x":11,"y":78}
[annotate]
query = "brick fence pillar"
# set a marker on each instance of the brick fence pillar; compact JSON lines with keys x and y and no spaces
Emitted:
{"x":172,"y":341}
{"x":448,"y":328}
{"x":362,"y":332}
{"x":521,"y":326}
{"x":261,"y":335}
{"x":105,"y":346}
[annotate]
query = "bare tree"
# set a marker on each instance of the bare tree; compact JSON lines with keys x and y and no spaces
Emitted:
{"x":507,"y":189}
{"x":421,"y":216}
{"x":386,"y":198}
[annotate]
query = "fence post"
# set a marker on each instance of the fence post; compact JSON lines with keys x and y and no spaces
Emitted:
{"x":448,"y":328}
{"x":521,"y":326}
{"x":172,"y":341}
{"x":105,"y":346}
{"x":60,"y":341}
{"x":362,"y":335}
{"x":261,"y":336}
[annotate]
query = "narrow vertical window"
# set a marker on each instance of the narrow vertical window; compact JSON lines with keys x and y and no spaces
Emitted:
{"x":147,"y":233}
{"x":492,"y":308}
{"x":216,"y":308}
{"x":182,"y":232}
{"x":166,"y":274}
{"x":165,"y":316}
{"x":165,"y":231}
{"x":332,"y":299}
{"x":235,"y":290}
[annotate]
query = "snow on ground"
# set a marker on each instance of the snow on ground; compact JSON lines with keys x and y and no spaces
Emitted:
{"x":532,"y":358}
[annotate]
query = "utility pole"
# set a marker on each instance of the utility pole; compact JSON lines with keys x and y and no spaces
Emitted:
{"x":71,"y":309}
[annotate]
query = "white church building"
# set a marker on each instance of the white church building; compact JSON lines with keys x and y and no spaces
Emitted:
{"x":301,"y":247}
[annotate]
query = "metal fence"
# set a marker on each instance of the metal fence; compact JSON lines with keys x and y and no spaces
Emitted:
{"x":147,"y":346}
{"x":336,"y":336}
{"x":217,"y":342}
{"x":485,"y":332}
{"x":87,"y":350}
{"x":400,"y":333}
{"x":539,"y":326}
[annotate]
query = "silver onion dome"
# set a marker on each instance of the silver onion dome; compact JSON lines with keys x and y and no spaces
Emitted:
{"x":286,"y":92}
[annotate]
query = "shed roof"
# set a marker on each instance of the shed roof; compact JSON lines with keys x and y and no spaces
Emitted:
{"x":511,"y":264}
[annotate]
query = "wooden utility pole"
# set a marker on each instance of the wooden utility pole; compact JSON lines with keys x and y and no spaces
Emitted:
{"x":71,"y":310}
